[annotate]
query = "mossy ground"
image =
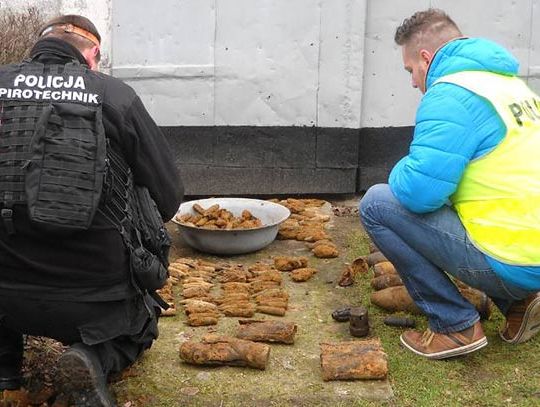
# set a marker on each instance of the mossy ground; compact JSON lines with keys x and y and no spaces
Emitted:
{"x":497,"y":375}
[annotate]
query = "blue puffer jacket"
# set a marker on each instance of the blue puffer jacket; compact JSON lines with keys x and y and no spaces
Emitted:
{"x":454,"y":126}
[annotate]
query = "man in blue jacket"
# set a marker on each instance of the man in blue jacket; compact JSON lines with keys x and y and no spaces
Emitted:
{"x":465,"y":201}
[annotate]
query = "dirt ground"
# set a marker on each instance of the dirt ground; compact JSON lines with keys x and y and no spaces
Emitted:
{"x":293,"y":375}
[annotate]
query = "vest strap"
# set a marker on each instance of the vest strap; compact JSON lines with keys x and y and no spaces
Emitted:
{"x":7,"y":219}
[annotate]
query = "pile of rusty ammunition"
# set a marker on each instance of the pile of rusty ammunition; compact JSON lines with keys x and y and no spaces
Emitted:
{"x":307,"y":224}
{"x":296,"y":266}
{"x":391,"y":294}
{"x":215,"y":217}
{"x":243,"y":349}
{"x":211,"y":290}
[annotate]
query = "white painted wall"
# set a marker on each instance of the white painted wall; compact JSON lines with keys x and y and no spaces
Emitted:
{"x":388,"y":98}
{"x":243,"y":62}
{"x":329,"y":63}
{"x":167,"y":54}
{"x":267,"y":60}
{"x":45,"y":6}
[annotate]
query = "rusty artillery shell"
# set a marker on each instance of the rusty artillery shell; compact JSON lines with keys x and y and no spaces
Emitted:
{"x":400,"y":322}
{"x":374,"y":258}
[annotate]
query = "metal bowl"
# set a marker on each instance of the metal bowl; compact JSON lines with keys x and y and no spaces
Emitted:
{"x":233,"y":241}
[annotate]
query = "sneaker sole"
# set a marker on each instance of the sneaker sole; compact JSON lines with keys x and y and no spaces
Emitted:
{"x":530,"y":325}
{"x":462,"y":350}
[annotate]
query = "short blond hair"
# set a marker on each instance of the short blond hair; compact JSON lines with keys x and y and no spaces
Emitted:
{"x":432,"y":27}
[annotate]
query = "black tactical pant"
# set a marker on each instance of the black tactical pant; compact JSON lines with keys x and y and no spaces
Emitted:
{"x":119,"y":331}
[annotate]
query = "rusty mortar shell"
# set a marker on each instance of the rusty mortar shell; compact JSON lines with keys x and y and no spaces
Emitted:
{"x":359,"y":322}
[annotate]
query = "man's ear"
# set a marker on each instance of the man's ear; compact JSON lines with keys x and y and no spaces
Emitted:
{"x":426,"y":56}
{"x":90,"y":55}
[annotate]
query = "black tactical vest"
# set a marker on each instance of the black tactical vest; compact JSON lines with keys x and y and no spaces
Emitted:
{"x":52,"y":144}
{"x":55,"y":158}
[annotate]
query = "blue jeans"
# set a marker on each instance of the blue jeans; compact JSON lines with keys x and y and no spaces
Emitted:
{"x":422,"y":247}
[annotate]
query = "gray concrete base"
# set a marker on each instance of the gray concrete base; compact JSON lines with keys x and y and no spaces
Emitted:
{"x":252,"y":160}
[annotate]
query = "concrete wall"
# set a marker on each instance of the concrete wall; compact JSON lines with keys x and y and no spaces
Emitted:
{"x":325,"y":63}
{"x":47,"y":7}
{"x":244,"y":62}
{"x":322,"y":63}
{"x":389,"y":100}
{"x":263,"y":96}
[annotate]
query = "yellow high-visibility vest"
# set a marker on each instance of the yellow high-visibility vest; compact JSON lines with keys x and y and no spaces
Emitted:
{"x":498,"y":198}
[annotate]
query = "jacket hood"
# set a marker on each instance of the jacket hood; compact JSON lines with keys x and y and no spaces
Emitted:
{"x":471,"y":54}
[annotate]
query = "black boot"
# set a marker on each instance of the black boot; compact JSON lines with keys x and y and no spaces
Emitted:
{"x":10,"y":372}
{"x":10,"y":383}
{"x":81,"y":379}
{"x":11,"y":355}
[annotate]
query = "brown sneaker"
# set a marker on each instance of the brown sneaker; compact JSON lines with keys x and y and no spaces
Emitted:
{"x":522,"y":320}
{"x":435,"y":345}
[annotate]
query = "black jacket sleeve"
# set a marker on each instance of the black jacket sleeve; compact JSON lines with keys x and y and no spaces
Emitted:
{"x":152,"y":161}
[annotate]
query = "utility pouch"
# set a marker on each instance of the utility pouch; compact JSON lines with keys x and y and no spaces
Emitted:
{"x":133,"y":212}
{"x":149,"y":272}
{"x":154,"y":235}
{"x":64,"y":175}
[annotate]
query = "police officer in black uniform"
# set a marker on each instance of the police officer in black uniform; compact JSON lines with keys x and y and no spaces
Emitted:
{"x":74,"y":283}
